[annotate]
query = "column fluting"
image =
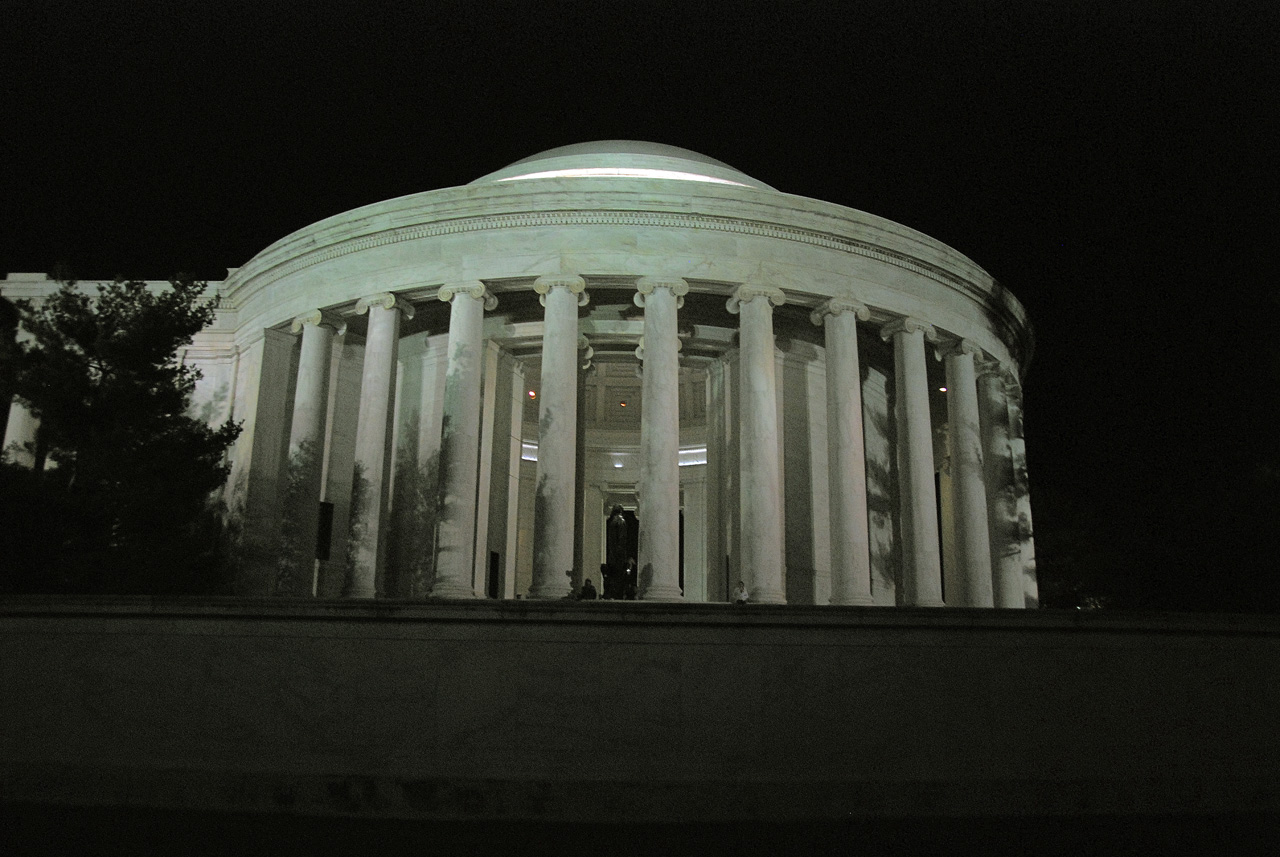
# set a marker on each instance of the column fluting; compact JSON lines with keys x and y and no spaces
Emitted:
{"x":921,"y":557}
{"x":968,"y":488}
{"x":553,"y":523}
{"x":761,"y":496}
{"x":460,"y":440}
{"x":659,"y":488}
{"x":850,"y":541}
{"x":373,"y":427}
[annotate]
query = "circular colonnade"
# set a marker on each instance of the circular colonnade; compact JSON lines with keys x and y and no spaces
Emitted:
{"x":444,"y":395}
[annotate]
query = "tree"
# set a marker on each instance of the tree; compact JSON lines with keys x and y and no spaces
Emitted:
{"x":126,"y":503}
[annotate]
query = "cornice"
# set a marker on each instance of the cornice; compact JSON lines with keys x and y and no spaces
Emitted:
{"x":610,"y":217}
{"x":586,"y":217}
{"x":828,"y":225}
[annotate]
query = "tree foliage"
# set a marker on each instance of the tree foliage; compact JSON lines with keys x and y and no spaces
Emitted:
{"x":124,"y":504}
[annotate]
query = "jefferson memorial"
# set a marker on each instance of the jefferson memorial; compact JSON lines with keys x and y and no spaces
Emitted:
{"x":447,"y":395}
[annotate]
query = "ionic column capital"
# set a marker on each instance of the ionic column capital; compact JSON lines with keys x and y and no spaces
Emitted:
{"x":473,"y":289}
{"x":835,"y":306}
{"x":317,"y":317}
{"x":746,"y":293}
{"x":647,"y":285}
{"x":386,"y":300}
{"x":960,"y":348}
{"x":573,"y":283}
{"x":992,"y":368}
{"x":906,"y":324}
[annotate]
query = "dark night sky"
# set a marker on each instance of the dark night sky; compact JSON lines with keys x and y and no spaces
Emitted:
{"x":1110,"y":163}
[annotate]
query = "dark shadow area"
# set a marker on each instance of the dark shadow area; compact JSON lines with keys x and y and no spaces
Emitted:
{"x":44,"y":830}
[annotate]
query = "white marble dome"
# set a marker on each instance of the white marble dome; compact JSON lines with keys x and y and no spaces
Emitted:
{"x":622,"y":159}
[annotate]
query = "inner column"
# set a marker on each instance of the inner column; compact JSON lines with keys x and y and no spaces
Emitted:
{"x":368,"y":500}
{"x":659,"y":486}
{"x":968,"y":491}
{"x":761,"y":491}
{"x":460,"y":441}
{"x":306,"y":453}
{"x":553,"y":524}
{"x":1006,"y":553}
{"x":850,"y":540}
{"x":921,"y":560}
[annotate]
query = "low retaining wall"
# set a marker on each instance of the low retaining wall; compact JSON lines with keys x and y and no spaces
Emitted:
{"x":634,"y":712}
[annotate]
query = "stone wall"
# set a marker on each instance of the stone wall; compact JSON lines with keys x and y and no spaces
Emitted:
{"x":634,"y":712}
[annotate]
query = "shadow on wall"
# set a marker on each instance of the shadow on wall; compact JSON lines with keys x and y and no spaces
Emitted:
{"x":214,"y":409}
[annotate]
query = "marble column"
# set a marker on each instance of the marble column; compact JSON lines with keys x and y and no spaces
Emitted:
{"x":761,"y":496}
{"x":20,"y":431}
{"x":368,"y":502}
{"x":311,"y":396}
{"x":659,"y":486}
{"x":850,"y":540}
{"x":20,"y":436}
{"x":460,"y":440}
{"x":553,"y":523}
{"x":1006,"y":552}
{"x":1022,"y":495}
{"x":968,"y":480}
{"x":587,"y":370}
{"x":921,"y":557}
{"x":306,"y":446}
{"x":722,"y":475}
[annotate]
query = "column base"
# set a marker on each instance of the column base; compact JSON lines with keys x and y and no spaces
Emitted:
{"x":926,"y":604}
{"x":768,"y":596}
{"x":360,"y":592}
{"x":662,"y":593}
{"x":548,"y":593}
{"x":452,"y":590}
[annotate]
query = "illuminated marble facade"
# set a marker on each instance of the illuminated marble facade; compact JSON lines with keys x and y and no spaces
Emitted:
{"x":453,"y":388}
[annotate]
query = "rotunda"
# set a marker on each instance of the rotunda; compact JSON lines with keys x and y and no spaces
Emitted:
{"x":447,"y":394}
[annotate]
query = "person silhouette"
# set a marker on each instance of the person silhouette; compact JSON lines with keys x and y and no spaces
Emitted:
{"x":615,"y":554}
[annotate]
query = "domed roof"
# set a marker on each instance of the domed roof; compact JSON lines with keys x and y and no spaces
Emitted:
{"x":622,"y":159}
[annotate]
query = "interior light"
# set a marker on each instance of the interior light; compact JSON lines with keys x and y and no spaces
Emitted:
{"x":942,"y":389}
{"x":621,"y":172}
{"x":622,"y":404}
{"x":532,"y":394}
